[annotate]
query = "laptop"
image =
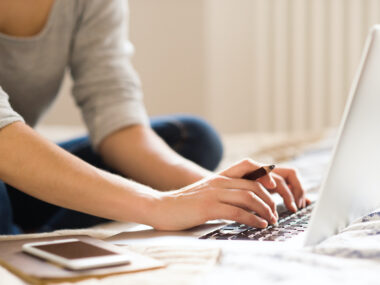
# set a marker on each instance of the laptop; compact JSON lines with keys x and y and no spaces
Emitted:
{"x":351,"y":187}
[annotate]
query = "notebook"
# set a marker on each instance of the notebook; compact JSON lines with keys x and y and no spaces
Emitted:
{"x":39,"y":271}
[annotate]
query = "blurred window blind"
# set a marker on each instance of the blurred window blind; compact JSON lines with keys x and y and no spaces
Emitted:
{"x":306,"y":54}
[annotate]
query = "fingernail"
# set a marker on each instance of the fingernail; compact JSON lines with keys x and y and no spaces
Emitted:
{"x":273,"y":220}
{"x":300,"y":204}
{"x":294,"y":206}
{"x":264,"y":223}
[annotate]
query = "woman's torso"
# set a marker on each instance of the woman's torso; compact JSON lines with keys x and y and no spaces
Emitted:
{"x":34,"y":52}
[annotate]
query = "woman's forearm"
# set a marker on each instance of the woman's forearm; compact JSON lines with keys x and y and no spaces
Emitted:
{"x":138,"y":153}
{"x":41,"y":169}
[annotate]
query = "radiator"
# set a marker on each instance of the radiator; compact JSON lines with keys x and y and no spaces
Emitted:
{"x":305,"y":54}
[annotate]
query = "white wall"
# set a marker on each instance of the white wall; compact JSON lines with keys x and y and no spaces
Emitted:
{"x":246,"y":65}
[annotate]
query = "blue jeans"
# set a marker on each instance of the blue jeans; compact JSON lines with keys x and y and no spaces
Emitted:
{"x":189,"y":136}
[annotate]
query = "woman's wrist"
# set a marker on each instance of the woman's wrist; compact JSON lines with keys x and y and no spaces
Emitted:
{"x":150,"y":208}
{"x":159,"y":210}
{"x":141,"y":207}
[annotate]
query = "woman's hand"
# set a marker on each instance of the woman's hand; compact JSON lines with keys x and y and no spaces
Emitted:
{"x":289,"y":187}
{"x":222,"y":196}
{"x":282,"y":180}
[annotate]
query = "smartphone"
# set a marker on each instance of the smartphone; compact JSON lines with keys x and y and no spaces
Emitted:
{"x":75,"y":254}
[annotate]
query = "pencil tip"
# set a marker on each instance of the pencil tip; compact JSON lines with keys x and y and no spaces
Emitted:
{"x":271,"y":167}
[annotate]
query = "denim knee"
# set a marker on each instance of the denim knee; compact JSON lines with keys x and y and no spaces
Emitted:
{"x":6,"y":218}
{"x":204,"y":145}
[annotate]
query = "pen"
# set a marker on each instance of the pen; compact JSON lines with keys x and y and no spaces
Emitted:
{"x":258,"y":173}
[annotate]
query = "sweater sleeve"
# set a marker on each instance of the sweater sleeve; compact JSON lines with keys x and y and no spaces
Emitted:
{"x":7,"y":114}
{"x":106,"y":87}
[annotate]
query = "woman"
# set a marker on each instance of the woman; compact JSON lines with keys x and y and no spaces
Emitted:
{"x":38,"y":41}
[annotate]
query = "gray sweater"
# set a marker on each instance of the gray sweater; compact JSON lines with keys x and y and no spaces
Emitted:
{"x":89,"y":38}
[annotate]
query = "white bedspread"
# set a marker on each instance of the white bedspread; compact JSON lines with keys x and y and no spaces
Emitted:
{"x":351,"y":257}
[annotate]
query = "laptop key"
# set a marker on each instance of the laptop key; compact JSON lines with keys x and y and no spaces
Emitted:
{"x":289,"y":225}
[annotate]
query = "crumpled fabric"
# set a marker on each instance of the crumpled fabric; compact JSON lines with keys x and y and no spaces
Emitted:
{"x":350,"y":257}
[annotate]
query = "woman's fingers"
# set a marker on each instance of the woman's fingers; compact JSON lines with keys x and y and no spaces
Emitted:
{"x":255,"y":187}
{"x":286,"y":182}
{"x":293,"y":179}
{"x":247,"y":200}
{"x":245,"y":166}
{"x":240,"y":168}
{"x":284,"y":191}
{"x":230,"y":212}
{"x":228,"y":196}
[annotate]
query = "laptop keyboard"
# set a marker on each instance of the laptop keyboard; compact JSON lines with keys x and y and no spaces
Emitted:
{"x":289,"y":224}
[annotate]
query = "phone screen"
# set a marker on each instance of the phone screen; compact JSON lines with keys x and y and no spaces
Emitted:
{"x":75,"y":250}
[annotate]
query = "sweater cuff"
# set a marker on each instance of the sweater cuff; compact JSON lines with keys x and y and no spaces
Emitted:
{"x":7,"y":114}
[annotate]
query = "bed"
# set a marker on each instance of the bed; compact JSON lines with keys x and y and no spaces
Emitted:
{"x":352,"y":256}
